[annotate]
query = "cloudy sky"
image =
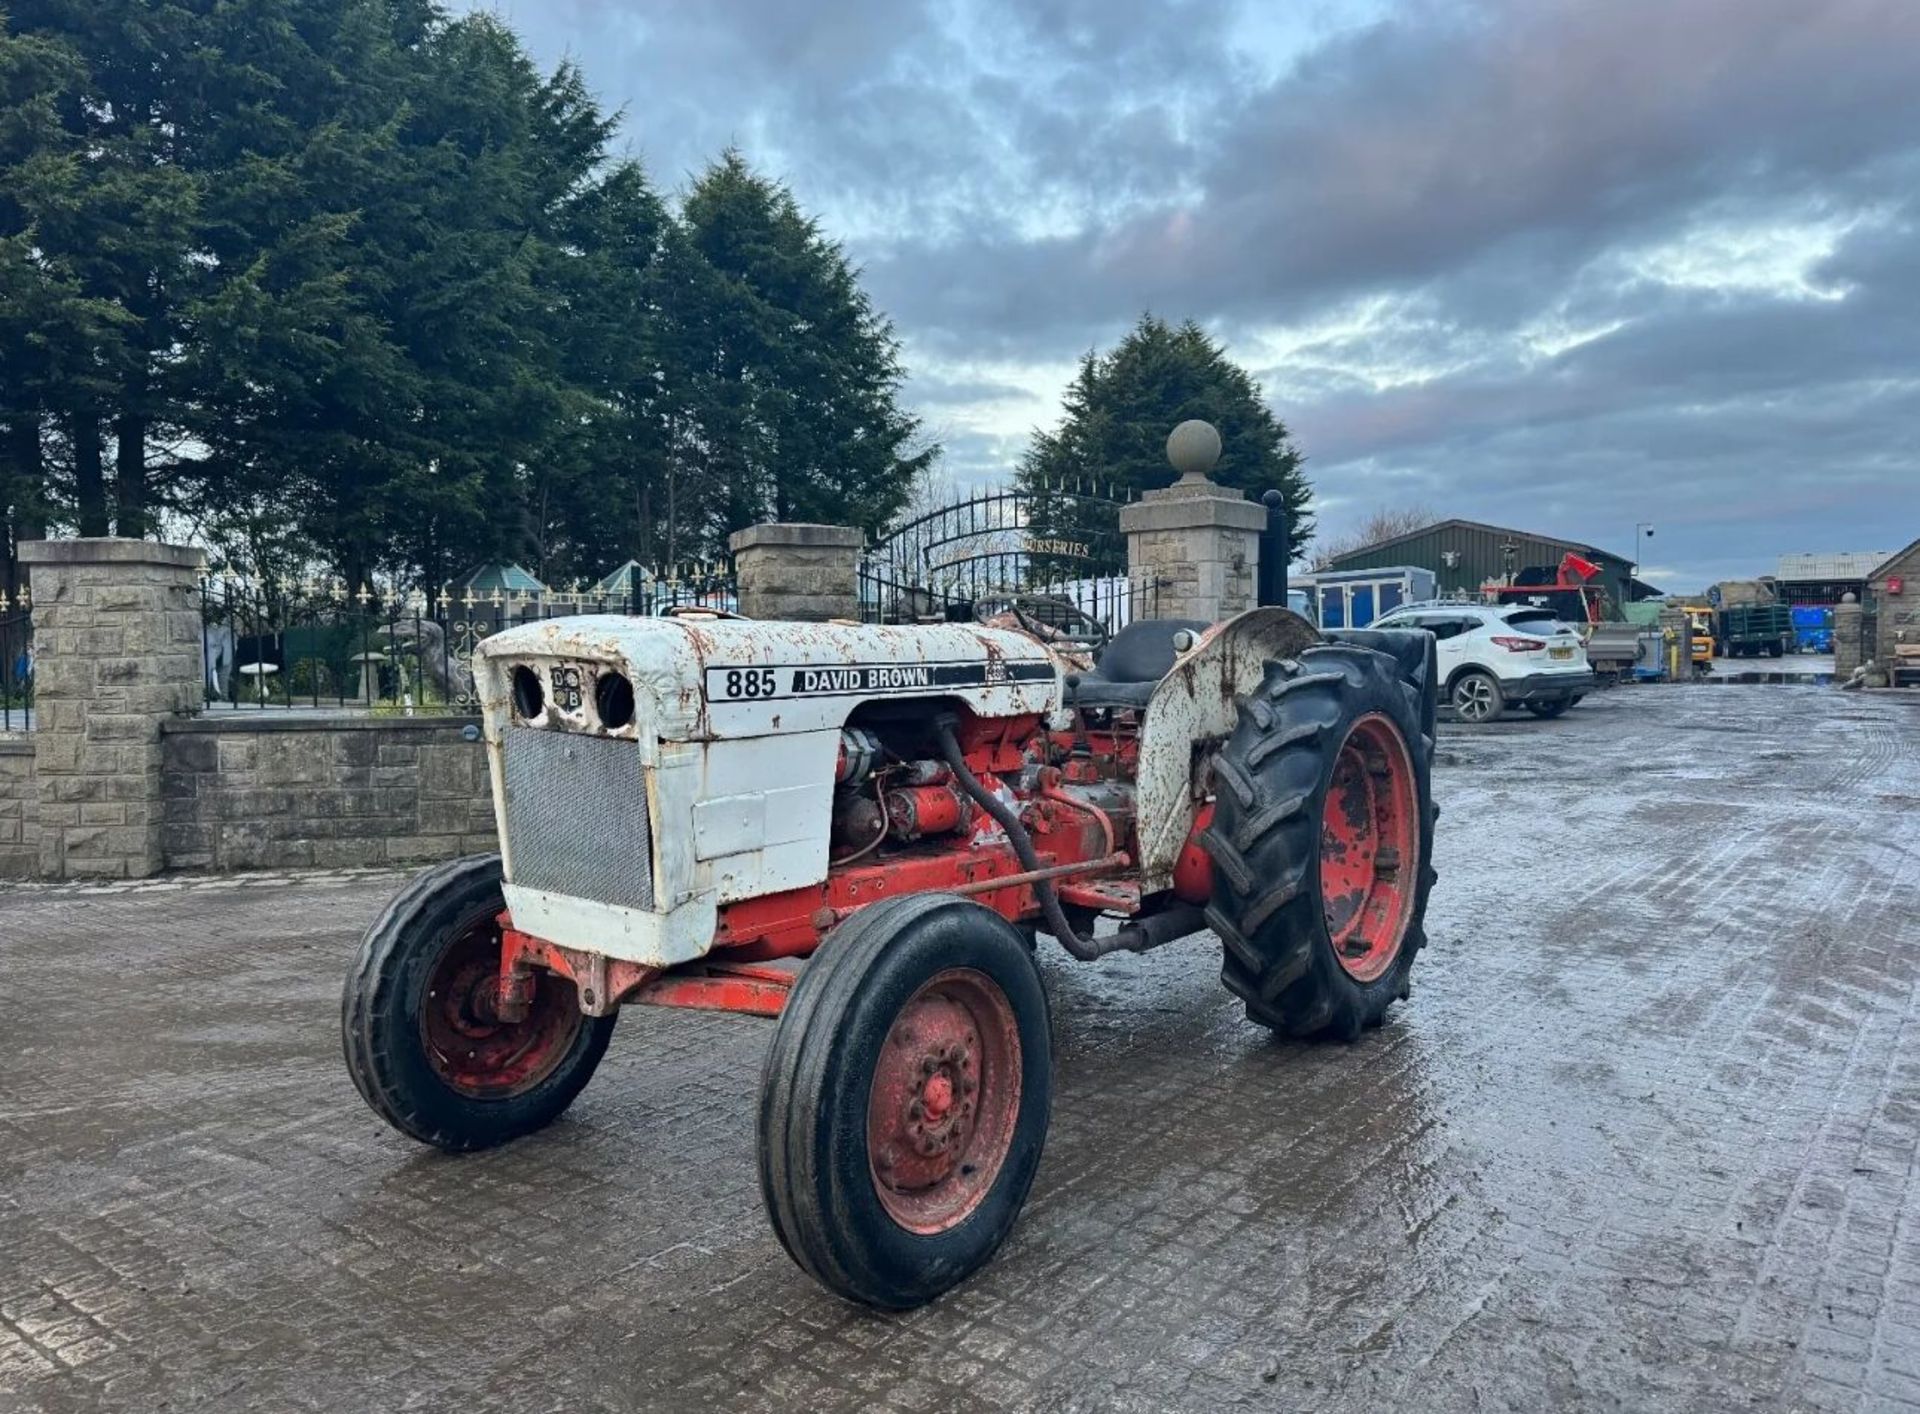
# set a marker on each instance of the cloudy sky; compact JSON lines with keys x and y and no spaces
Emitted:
{"x":1563,"y":266}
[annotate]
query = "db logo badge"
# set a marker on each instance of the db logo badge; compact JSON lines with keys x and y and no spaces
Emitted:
{"x":566,"y":687}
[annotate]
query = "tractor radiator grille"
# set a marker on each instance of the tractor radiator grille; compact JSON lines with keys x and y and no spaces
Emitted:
{"x":577,"y":816}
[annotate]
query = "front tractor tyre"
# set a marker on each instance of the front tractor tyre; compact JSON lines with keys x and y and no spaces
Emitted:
{"x":905,"y":1100}
{"x":1322,"y":842}
{"x":423,"y":1042}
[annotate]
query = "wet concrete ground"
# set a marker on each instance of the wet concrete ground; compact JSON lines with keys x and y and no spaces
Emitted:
{"x":1645,"y":1137}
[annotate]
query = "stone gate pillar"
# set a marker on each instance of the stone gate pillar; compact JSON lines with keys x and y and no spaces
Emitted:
{"x":1199,"y":541}
{"x":791,"y":571}
{"x":1849,"y":626}
{"x":117,"y":642}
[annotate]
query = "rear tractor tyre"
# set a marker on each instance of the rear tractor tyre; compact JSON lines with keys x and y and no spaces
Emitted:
{"x":1476,"y":698}
{"x":1550,"y":710}
{"x":423,"y":1044}
{"x":1322,"y":843}
{"x":905,"y":1100}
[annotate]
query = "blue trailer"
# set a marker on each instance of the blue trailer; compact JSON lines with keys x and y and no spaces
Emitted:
{"x":1812,"y":628}
{"x":1355,"y":598}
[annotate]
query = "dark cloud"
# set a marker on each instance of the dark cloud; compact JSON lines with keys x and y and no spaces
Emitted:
{"x":1525,"y":134}
{"x":1542,"y":261}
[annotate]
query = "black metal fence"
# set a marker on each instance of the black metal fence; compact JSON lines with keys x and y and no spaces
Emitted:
{"x":16,"y":667}
{"x":1112,"y":600}
{"x":1053,"y":552}
{"x":320,"y":645}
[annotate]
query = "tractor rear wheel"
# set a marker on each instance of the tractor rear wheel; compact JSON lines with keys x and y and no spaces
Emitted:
{"x":1322,"y":842}
{"x":905,"y":1100}
{"x":422,"y":1041}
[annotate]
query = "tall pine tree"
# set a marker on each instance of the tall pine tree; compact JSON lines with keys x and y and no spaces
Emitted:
{"x":1119,"y":409}
{"x":790,"y":376}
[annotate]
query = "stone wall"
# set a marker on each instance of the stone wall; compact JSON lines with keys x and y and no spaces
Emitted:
{"x":19,"y":810}
{"x":119,"y":779}
{"x":284,"y":791}
{"x":1898,"y":615}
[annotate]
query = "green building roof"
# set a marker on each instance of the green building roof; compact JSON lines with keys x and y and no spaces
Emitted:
{"x":498,"y":578}
{"x":624,"y":580}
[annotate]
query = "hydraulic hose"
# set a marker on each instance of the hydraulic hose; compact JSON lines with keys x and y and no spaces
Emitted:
{"x":1137,"y":936}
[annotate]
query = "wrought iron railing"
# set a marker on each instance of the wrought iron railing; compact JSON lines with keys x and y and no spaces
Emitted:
{"x":1057,"y":547}
{"x":318,"y":644}
{"x":1114,"y":600}
{"x":16,"y":664}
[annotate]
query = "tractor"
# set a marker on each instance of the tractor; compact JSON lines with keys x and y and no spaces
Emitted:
{"x":690,"y":805}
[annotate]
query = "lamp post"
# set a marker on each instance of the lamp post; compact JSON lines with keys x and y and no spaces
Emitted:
{"x":1641,"y":530}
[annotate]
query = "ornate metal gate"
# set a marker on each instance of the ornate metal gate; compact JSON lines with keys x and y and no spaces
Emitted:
{"x":968,"y":559}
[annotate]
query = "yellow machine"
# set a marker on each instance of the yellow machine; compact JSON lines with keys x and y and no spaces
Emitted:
{"x":1701,"y":620}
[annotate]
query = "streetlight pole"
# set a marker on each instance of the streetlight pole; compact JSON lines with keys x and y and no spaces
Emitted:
{"x":1641,"y":529}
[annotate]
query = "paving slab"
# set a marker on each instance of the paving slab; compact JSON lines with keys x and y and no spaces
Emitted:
{"x":1645,"y":1137}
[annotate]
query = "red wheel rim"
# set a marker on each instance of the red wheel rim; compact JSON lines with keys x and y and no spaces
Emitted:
{"x":1370,"y":848}
{"x":467,"y":1044}
{"x":944,"y":1101}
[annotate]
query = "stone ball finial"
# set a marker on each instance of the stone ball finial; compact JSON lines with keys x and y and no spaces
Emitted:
{"x":1849,"y":598}
{"x":1193,"y":447}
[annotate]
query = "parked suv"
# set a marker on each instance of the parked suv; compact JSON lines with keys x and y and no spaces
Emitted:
{"x":1496,"y":656}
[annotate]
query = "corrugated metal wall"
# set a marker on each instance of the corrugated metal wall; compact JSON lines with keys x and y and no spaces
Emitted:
{"x":1481,"y":556}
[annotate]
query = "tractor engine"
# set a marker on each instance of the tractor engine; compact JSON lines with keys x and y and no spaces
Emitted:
{"x":896,"y":799}
{"x":915,"y":813}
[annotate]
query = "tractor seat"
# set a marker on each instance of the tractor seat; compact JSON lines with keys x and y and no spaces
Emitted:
{"x":1130,"y":665}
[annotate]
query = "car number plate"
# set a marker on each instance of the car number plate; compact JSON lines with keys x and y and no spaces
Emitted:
{"x":1559,"y":652}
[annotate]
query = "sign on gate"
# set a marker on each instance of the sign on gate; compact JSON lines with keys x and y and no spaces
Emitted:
{"x":1058,"y":553}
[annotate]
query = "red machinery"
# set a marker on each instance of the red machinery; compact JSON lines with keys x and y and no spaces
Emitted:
{"x":1567,"y":588}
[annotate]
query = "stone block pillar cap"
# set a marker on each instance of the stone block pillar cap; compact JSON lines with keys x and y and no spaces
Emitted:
{"x":1193,"y":448}
{"x":789,"y":534}
{"x":109,"y":550}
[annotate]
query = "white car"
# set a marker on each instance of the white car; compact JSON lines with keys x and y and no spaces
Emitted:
{"x":1496,"y":656}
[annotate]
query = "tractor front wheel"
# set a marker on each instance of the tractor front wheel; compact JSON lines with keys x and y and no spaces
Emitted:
{"x":1322,"y":842}
{"x":905,"y":1100}
{"x":425,"y":1047}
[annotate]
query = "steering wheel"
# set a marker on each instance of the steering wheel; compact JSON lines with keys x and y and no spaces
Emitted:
{"x":1077,"y":632}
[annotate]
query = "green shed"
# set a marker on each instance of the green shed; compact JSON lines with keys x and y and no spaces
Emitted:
{"x":1464,"y":554}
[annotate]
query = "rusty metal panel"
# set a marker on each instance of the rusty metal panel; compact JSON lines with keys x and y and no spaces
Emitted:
{"x":576,"y":816}
{"x":1194,"y":703}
